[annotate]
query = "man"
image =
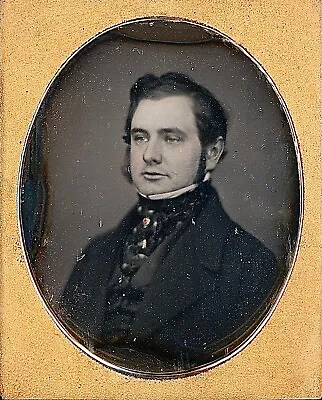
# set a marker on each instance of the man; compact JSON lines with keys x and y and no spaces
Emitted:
{"x":177,"y":283}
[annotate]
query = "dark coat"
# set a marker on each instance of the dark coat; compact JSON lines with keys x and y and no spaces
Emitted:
{"x":212,"y":283}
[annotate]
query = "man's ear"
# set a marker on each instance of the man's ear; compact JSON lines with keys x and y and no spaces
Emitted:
{"x":213,"y":152}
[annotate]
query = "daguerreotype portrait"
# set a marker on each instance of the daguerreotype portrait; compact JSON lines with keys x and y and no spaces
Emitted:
{"x":160,"y":198}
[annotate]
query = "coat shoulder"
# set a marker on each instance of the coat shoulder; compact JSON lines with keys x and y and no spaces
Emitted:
{"x":254,"y":267}
{"x":221,"y":241}
{"x":246,"y":247}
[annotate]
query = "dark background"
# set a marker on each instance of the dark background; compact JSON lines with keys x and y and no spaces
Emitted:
{"x":73,"y":188}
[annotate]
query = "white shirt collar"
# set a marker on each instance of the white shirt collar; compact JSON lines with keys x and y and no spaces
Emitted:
{"x":174,"y":193}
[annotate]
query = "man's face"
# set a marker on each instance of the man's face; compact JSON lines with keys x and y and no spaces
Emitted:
{"x":165,"y":147}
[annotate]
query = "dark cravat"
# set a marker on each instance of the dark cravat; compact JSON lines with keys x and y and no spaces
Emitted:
{"x":158,"y":219}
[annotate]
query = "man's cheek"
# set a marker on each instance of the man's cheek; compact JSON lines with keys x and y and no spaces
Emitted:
{"x":190,"y":165}
{"x":135,"y":160}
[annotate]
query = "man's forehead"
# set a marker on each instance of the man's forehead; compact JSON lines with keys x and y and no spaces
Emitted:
{"x":165,"y":97}
{"x":168,"y":109}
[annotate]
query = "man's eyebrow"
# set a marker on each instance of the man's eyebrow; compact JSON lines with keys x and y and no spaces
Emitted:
{"x":138,"y":130}
{"x":172,"y":130}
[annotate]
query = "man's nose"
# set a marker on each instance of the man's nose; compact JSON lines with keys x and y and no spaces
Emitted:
{"x":153,"y":152}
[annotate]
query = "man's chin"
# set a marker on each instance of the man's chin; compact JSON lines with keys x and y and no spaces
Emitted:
{"x":152,"y":189}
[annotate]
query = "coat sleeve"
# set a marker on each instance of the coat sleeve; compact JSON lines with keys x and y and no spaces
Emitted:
{"x":252,"y":274}
{"x":83,"y":302}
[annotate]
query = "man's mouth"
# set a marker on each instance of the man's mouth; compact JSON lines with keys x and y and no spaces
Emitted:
{"x":153,"y":175}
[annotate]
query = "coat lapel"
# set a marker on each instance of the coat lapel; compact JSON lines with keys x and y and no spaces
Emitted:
{"x":188,"y":271}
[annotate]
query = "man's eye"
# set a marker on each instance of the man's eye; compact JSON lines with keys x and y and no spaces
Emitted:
{"x":173,"y":139}
{"x":140,"y":138}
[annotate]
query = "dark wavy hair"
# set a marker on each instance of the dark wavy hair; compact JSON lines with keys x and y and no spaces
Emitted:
{"x":210,"y":117}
